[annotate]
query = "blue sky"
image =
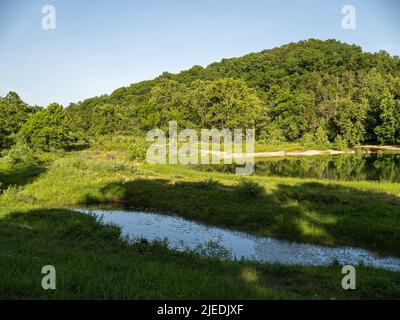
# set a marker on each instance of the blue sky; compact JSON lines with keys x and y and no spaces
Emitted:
{"x":100,"y":45}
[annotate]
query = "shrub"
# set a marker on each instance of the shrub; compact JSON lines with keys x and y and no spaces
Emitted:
{"x":340,"y":143}
{"x":249,"y":189}
{"x":208,"y":184}
{"x":137,"y":151}
{"x":213,"y":250}
{"x":308,"y":139}
{"x":272,"y":134}
{"x":19,"y":153}
{"x":321,"y":137}
{"x":318,"y":139}
{"x":11,"y":196}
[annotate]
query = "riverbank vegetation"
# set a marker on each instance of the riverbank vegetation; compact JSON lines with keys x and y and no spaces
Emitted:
{"x":92,"y":262}
{"x":357,"y":213}
{"x":311,"y":94}
{"x":36,"y":229}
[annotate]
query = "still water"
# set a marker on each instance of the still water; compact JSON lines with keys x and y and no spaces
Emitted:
{"x":378,"y":167}
{"x":184,"y":234}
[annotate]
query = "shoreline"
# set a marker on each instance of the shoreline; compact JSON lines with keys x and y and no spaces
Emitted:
{"x":365,"y":149}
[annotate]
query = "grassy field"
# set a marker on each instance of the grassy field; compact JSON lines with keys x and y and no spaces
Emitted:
{"x":93,"y":262}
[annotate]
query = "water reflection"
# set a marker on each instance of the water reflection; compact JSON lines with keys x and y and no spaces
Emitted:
{"x":183,"y":234}
{"x":380,"y":167}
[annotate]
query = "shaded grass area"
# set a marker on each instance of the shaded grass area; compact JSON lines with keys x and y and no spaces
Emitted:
{"x":304,"y":210}
{"x":307,"y":212}
{"x":92,"y":261}
{"x":18,"y":175}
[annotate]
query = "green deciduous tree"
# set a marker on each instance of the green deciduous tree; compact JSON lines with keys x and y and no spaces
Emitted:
{"x":226,"y":104}
{"x":168,"y":101}
{"x":350,"y":120}
{"x":321,"y":137}
{"x":46,"y":129}
{"x":13,"y":113}
{"x":388,"y":120}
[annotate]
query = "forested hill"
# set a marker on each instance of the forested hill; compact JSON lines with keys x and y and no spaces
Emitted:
{"x":325,"y":91}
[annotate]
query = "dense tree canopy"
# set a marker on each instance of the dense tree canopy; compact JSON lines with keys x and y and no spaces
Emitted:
{"x":13,"y":114}
{"x":325,"y":91}
{"x":314,"y":88}
{"x":46,"y":129}
{"x":224,"y":103}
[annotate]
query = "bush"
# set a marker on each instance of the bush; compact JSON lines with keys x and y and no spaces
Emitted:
{"x":340,"y":143}
{"x":19,"y":153}
{"x":137,"y":151}
{"x":11,"y":196}
{"x":213,"y":250}
{"x":249,"y":189}
{"x":208,"y":184}
{"x":308,"y":139}
{"x":321,"y":137}
{"x":272,"y":134}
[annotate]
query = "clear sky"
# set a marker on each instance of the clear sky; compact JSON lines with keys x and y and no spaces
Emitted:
{"x":101,"y":45}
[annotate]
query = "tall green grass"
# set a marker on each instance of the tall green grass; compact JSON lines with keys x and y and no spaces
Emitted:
{"x":93,"y":262}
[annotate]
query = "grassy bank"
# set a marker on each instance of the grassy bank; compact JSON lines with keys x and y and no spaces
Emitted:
{"x":94,"y":263}
{"x":357,"y":213}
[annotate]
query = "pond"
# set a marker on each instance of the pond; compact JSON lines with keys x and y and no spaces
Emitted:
{"x":184,"y":234}
{"x":378,"y":167}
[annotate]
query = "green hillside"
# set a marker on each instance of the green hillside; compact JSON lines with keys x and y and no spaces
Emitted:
{"x":301,"y":89}
{"x":324,"y":91}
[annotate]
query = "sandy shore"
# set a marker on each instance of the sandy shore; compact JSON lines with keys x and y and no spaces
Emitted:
{"x":383,"y":148}
{"x":223,"y":155}
{"x":364,"y":149}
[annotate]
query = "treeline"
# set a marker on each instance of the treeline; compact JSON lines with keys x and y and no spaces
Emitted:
{"x":42,"y":128}
{"x":322,"y":91}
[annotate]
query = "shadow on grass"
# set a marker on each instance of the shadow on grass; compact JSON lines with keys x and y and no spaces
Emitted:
{"x":77,"y":147}
{"x":92,"y":262}
{"x":20,"y":175}
{"x":308,"y":212}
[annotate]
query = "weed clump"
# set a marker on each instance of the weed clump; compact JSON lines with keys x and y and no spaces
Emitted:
{"x":248,"y":189}
{"x":137,"y":151}
{"x":12,"y":196}
{"x":208,"y":184}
